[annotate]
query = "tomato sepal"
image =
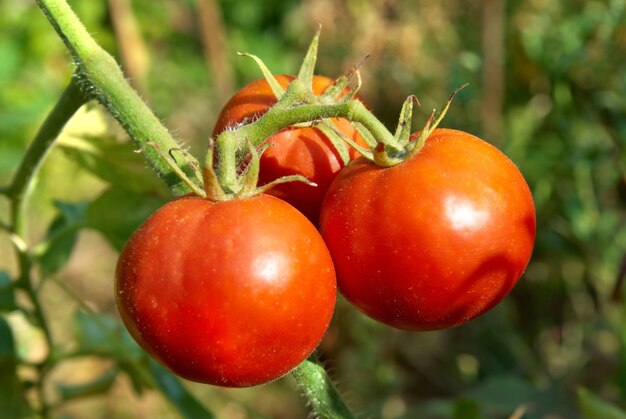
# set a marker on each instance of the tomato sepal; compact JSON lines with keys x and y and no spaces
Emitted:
{"x":244,"y":185}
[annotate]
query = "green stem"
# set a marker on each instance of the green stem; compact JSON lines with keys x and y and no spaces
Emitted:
{"x":69,"y":102}
{"x":105,"y":80}
{"x":229,"y":143}
{"x":18,"y":191}
{"x":67,"y":105}
{"x":320,"y":391}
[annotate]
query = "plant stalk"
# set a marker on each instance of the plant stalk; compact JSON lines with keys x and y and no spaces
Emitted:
{"x":18,"y":191}
{"x":230,"y":144}
{"x":104,"y":79}
{"x":320,"y":391}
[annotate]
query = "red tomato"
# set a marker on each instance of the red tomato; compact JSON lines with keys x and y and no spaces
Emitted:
{"x":234,"y":293}
{"x":293,"y":151}
{"x":436,"y":240}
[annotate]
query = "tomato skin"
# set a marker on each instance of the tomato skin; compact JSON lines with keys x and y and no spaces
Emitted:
{"x":235,"y":293}
{"x":432,"y":242}
{"x":304,"y":151}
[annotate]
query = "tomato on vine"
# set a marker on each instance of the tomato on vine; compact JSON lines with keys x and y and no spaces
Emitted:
{"x":434,"y":241}
{"x":233,"y":293}
{"x":302,"y":151}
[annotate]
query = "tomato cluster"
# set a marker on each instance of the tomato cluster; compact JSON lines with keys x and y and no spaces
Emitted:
{"x":239,"y":292}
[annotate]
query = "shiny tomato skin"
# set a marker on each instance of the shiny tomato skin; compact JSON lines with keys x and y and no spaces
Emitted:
{"x":304,"y":151}
{"x":432,"y":242}
{"x":235,"y":293}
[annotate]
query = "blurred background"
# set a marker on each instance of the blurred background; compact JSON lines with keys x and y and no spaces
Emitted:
{"x":547,"y":84}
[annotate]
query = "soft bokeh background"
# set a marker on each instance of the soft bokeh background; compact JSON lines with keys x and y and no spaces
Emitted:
{"x":547,"y":81}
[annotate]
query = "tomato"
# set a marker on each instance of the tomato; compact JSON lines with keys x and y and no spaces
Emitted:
{"x":234,"y":293}
{"x":432,"y":242}
{"x":293,"y":151}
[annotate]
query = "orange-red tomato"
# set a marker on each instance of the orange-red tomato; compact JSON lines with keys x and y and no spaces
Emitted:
{"x":293,"y":151}
{"x":436,"y":240}
{"x":234,"y":293}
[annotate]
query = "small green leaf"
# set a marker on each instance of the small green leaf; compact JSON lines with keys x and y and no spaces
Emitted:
{"x":593,"y":407}
{"x":118,"y":212}
{"x":93,"y":333}
{"x":61,"y":236}
{"x":99,"y":385}
{"x":337,"y":91}
{"x":177,"y":394}
{"x":466,"y":409}
{"x":102,"y":334}
{"x":7,"y":293}
{"x":337,"y":140}
{"x":12,"y":401}
{"x":112,"y":161}
{"x":403,"y":130}
{"x":137,"y":373}
{"x":308,"y":64}
{"x":277,"y":89}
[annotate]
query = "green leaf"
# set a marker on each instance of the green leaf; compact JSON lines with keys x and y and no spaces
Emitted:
{"x":177,"y":394}
{"x":7,"y":293}
{"x":308,"y":64}
{"x":93,"y":332}
{"x":101,"y":333}
{"x":12,"y":401}
{"x":277,"y":89}
{"x":466,"y":409}
{"x":112,"y":161}
{"x":593,"y":407}
{"x":117,"y":213}
{"x":99,"y":385}
{"x":61,"y":236}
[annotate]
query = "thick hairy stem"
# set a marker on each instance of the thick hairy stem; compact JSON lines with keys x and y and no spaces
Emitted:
{"x":278,"y":118}
{"x":320,"y":391}
{"x":104,"y":80}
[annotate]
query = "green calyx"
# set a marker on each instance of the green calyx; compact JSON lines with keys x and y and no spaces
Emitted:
{"x":244,"y":184}
{"x":387,"y":151}
{"x":231,"y":165}
{"x":296,"y":106}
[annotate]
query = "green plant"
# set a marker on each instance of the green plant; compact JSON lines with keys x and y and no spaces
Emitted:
{"x":550,"y":98}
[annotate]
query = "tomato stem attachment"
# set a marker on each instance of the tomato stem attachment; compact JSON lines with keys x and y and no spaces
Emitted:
{"x":406,"y":145}
{"x":242,"y":185}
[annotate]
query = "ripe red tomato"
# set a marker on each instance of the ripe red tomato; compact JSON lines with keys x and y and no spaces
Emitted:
{"x":436,"y":240}
{"x":234,"y":293}
{"x":293,"y":151}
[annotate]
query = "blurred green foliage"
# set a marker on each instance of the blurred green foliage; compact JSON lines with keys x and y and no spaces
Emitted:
{"x":554,"y":348}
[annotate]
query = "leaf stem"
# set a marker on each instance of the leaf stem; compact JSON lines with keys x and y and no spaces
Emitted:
{"x":104,"y":79}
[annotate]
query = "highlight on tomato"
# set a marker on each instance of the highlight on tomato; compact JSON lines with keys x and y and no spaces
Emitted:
{"x":233,"y":293}
{"x":302,"y":151}
{"x":432,"y":242}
